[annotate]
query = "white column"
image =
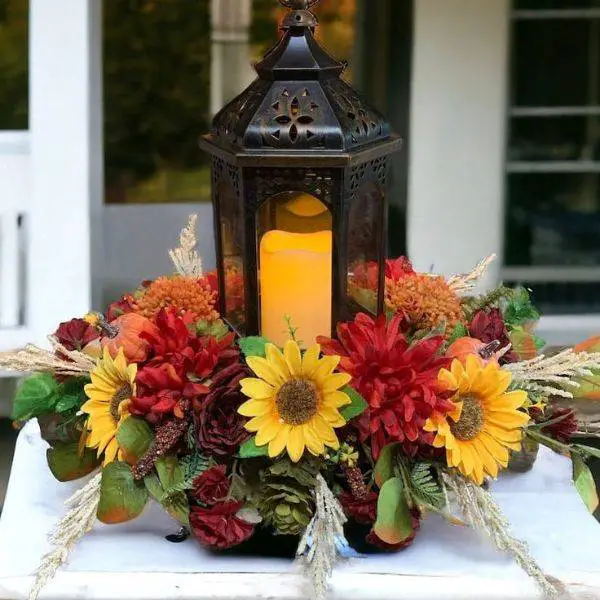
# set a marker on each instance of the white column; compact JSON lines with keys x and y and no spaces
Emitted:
{"x":231,"y":71}
{"x":457,"y":133}
{"x":66,"y":158}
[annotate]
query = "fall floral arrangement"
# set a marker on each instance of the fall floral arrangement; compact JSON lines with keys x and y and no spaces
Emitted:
{"x":345,"y":443}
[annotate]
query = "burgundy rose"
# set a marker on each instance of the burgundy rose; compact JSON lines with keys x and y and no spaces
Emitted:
{"x":212,"y":486}
{"x":76,"y":334}
{"x":219,"y":527}
{"x":489,"y":326}
{"x":362,"y":511}
{"x":374,"y":539}
{"x":220,"y":428}
{"x":562,"y":423}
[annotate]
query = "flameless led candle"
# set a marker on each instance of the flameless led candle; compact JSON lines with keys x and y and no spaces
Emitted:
{"x":295,"y":281}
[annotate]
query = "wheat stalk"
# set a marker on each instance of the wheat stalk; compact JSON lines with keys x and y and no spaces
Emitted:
{"x":481,"y":511}
{"x":76,"y":523}
{"x":550,"y":375}
{"x":185,"y":258}
{"x":59,"y":360}
{"x":461,"y":284}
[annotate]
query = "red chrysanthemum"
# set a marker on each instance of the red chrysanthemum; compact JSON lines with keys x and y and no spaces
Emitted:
{"x":76,"y":334}
{"x":179,"y":363}
{"x":219,"y":526}
{"x":363,"y":511}
{"x":212,"y":486}
{"x":398,"y":380}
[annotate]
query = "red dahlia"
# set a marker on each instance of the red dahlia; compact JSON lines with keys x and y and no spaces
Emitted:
{"x":398,"y":268}
{"x":398,"y":380}
{"x":219,"y":526}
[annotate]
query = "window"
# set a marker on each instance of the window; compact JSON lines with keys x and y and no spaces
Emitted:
{"x":157,"y":89}
{"x":553,"y":168}
{"x":14,"y":83}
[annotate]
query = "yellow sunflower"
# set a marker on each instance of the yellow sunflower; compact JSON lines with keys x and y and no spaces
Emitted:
{"x":113,"y":385}
{"x":486,"y":422}
{"x":295,"y":400}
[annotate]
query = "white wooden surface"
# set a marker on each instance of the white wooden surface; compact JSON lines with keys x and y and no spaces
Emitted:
{"x":446,"y":562}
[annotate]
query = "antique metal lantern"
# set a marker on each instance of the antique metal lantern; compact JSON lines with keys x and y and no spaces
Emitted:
{"x":300,"y":175}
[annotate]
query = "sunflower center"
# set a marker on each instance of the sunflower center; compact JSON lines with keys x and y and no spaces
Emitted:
{"x":123,"y":393}
{"x":471,"y":420}
{"x":297,"y":401}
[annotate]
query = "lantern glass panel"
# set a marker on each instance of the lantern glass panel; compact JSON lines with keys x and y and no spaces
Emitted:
{"x":294,"y":238}
{"x":364,"y":238}
{"x":232,"y":236}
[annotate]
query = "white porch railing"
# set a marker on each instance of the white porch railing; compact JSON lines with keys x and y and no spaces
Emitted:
{"x":15,"y":194}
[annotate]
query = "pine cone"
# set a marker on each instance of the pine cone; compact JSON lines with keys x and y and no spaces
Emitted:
{"x":286,"y":501}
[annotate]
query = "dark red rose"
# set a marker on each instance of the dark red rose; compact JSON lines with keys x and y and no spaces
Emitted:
{"x":219,"y":426}
{"x":120,"y":307}
{"x":374,"y":540}
{"x":562,"y":422}
{"x":219,"y":527}
{"x":76,"y":334}
{"x":488,"y":326}
{"x":362,"y":511}
{"x":212,"y":486}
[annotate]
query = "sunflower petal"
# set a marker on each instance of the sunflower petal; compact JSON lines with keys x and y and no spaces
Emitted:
{"x":257,"y":388}
{"x":293,"y":358}
{"x":278,"y":443}
{"x":310,"y":361}
{"x":264,"y":370}
{"x":295,"y":443}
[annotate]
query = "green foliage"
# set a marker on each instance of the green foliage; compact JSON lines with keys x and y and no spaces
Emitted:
{"x":425,"y":489}
{"x":356,"y":408}
{"x":496,"y":298}
{"x":169,"y":487}
{"x":386,"y":464}
{"x":304,"y":472}
{"x":122,"y":498}
{"x":520,"y":311}
{"x":216,"y":329}
{"x":194,"y":465}
{"x":134,"y":437}
{"x":36,"y":396}
{"x":394,"y":520}
{"x":249,"y":449}
{"x":585,"y":484}
{"x":586,"y":450}
{"x":71,"y":394}
{"x":459,"y":331}
{"x":67,"y":463}
{"x":253,"y":345}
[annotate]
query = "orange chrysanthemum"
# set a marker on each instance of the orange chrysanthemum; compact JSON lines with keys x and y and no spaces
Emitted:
{"x":185,"y":294}
{"x":425,"y":301}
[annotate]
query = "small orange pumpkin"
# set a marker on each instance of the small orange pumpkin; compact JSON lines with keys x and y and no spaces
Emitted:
{"x":464,"y":346}
{"x":125,"y":333}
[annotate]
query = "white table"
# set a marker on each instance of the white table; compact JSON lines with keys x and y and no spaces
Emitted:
{"x":446,"y":562}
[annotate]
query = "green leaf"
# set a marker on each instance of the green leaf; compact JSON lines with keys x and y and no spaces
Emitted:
{"x":194,"y":465}
{"x":384,"y":468}
{"x":67,"y":464}
{"x":357,"y":406}
{"x":134,"y":437}
{"x":585,"y":484}
{"x":520,"y":311}
{"x":459,"y":331}
{"x":253,"y":346}
{"x":67,"y":402}
{"x":122,"y":498}
{"x":71,"y":394}
{"x":425,"y":487}
{"x":153,"y":486}
{"x":249,"y":449}
{"x":216,"y":329}
{"x":36,"y":396}
{"x":588,"y":450}
{"x":394,"y":521}
{"x":169,"y":472}
{"x":178,"y":507}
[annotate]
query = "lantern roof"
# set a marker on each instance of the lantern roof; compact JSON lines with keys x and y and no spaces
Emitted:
{"x":299,"y":103}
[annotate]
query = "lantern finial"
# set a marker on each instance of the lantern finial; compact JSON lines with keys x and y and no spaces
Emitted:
{"x":298,"y":4}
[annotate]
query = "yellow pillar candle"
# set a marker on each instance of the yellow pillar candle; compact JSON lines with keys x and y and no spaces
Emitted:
{"x":295,"y":281}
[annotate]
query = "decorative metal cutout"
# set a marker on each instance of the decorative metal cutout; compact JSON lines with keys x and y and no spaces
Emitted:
{"x":375,"y":171}
{"x":293,"y":120}
{"x":360,"y":123}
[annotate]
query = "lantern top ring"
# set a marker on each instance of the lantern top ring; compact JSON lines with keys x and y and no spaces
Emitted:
{"x":298,"y":4}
